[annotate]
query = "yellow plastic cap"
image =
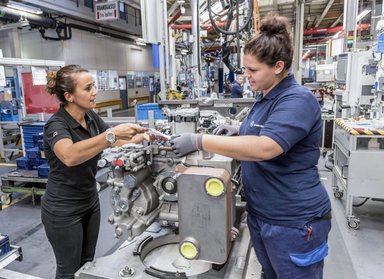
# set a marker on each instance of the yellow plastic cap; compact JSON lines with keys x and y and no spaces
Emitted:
{"x":188,"y":250}
{"x":214,"y":187}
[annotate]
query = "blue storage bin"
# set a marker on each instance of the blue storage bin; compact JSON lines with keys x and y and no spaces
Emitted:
{"x":40,"y":144}
{"x":33,"y":153}
{"x":9,"y":117}
{"x":36,"y":138}
{"x":23,"y":163}
{"x":9,"y":110}
{"x":30,"y":129}
{"x":142,"y":111}
{"x":37,"y":162}
{"x":43,"y":170}
{"x":5,"y":247}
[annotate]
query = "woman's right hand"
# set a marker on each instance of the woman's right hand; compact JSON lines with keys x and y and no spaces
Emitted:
{"x":127,"y":131}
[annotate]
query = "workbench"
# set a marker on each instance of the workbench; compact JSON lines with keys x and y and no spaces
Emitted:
{"x":14,"y":254}
{"x":358,"y":163}
{"x":21,"y":181}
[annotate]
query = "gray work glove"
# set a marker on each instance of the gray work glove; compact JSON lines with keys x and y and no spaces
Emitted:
{"x":186,"y":143}
{"x":226,"y":130}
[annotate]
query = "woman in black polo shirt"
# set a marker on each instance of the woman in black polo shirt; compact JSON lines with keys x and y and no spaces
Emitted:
{"x":74,"y":137}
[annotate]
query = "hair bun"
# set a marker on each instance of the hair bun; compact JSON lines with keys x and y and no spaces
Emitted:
{"x":51,"y":82}
{"x":273,"y":24}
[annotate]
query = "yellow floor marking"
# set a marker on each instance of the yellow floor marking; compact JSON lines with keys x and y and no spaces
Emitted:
{"x":17,"y":200}
{"x":7,"y":165}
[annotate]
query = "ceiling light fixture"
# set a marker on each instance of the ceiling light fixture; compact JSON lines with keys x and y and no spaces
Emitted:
{"x":24,"y":7}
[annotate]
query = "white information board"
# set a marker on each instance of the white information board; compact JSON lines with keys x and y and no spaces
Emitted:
{"x":39,"y":75}
{"x":107,"y":11}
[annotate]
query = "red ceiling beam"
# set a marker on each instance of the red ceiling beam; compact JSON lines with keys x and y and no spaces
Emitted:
{"x":174,"y":18}
{"x":333,"y":29}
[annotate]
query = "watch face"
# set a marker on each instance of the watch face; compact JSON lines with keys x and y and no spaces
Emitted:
{"x":111,"y":137}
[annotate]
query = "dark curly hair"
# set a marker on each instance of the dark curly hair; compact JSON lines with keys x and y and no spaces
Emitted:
{"x":273,"y":43}
{"x":63,"y":80}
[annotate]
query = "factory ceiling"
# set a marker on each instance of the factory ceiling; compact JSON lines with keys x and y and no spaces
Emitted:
{"x":322,"y":18}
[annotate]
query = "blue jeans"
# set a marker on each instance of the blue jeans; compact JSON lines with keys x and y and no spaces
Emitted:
{"x":286,"y":252}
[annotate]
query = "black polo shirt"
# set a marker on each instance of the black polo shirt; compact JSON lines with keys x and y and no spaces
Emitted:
{"x":70,"y":190}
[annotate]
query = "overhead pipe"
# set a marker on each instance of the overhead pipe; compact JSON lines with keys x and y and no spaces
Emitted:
{"x":189,"y":26}
{"x":334,"y":29}
{"x":13,"y":14}
{"x":174,"y":18}
{"x":102,"y":32}
{"x":316,"y":41}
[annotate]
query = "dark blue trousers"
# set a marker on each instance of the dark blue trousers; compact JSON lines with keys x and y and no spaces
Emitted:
{"x":286,"y":252}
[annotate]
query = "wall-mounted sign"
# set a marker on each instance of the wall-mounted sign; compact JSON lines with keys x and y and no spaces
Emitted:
{"x":39,"y":75}
{"x":107,"y":11}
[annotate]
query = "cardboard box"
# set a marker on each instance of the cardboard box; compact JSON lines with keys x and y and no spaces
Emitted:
{"x":6,"y":94}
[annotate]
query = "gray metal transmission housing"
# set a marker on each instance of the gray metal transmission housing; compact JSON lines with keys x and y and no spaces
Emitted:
{"x":205,"y":212}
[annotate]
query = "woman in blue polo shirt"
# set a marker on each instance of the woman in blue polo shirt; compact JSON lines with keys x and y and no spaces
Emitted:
{"x":74,"y":137}
{"x":278,"y":144}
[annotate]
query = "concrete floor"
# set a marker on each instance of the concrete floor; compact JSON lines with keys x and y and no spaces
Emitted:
{"x":352,"y":253}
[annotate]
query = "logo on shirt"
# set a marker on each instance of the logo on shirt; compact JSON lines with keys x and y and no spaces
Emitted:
{"x":55,"y":134}
{"x":253,"y":124}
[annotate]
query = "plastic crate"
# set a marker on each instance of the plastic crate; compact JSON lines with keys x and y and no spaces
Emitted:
{"x":23,"y":163}
{"x":9,"y":117}
{"x":43,"y":170}
{"x":36,"y":138}
{"x":30,"y":129}
{"x":5,"y":247}
{"x":35,"y":163}
{"x":40,"y":144}
{"x":33,"y":153}
{"x":142,"y":111}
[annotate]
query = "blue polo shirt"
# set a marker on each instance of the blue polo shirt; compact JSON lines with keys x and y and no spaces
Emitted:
{"x":236,"y":90}
{"x":286,"y":190}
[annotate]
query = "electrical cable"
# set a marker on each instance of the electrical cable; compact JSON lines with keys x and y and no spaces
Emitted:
{"x":230,"y":17}
{"x":362,"y":203}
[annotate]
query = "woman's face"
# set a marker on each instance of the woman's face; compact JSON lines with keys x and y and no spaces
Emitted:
{"x":261,"y":76}
{"x":85,"y":91}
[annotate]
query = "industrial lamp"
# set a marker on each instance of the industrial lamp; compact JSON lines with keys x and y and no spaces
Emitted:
{"x":24,"y":7}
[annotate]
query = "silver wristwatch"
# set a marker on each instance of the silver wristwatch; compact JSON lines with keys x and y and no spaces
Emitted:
{"x":110,"y":136}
